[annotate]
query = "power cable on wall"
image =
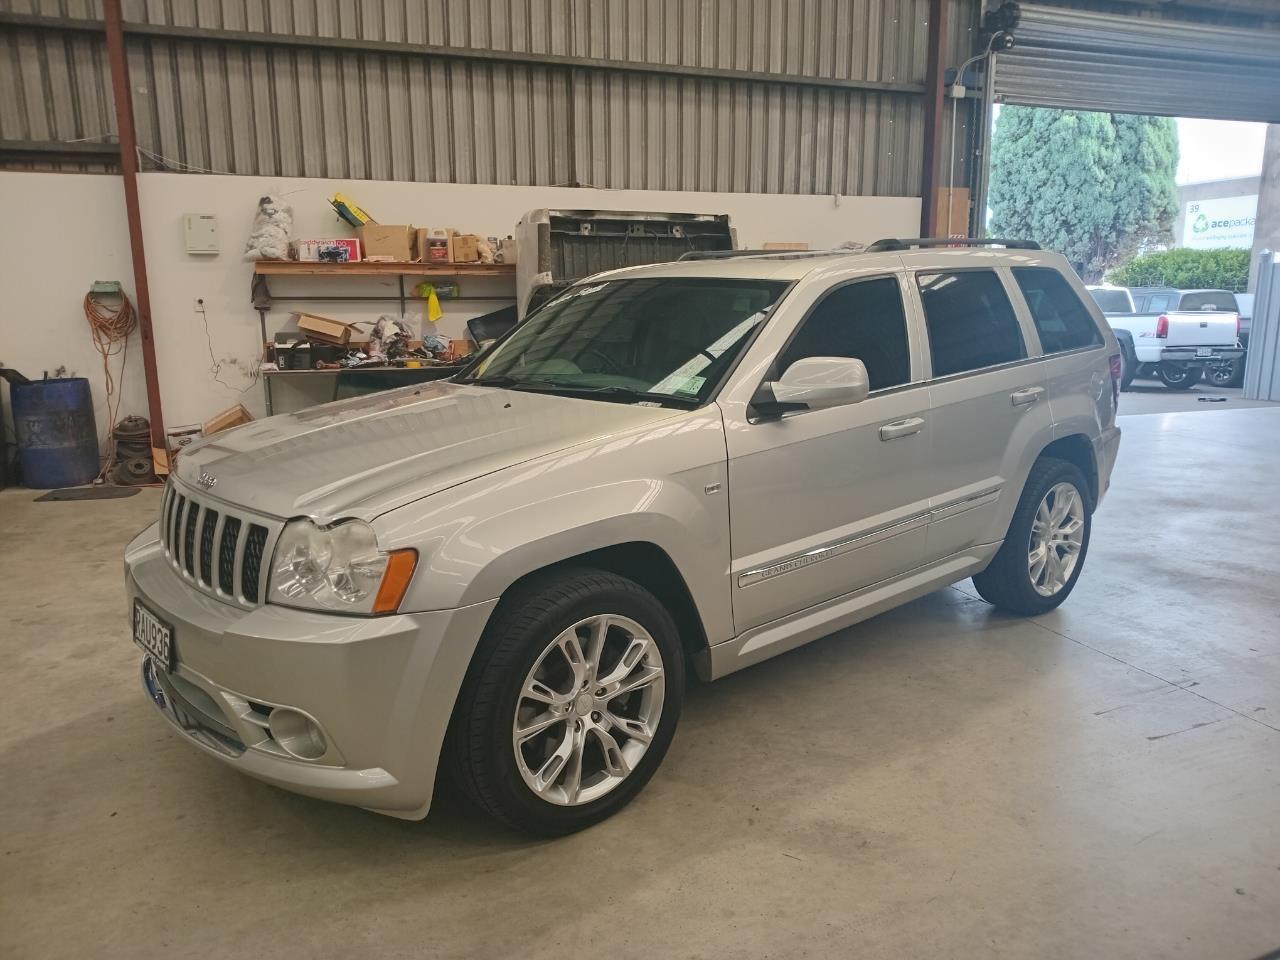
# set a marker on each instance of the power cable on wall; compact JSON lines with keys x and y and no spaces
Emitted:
{"x":215,"y":365}
{"x":110,"y":327}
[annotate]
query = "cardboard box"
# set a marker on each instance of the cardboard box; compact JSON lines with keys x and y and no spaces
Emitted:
{"x":465,"y":248}
{"x":435,"y":244}
{"x":179,"y":437}
{"x":231,"y":417}
{"x":324,"y":329}
{"x":336,"y":250}
{"x":381,"y":241}
{"x":953,"y":212}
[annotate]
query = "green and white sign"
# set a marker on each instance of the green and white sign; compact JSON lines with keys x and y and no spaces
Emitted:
{"x":1224,"y":222}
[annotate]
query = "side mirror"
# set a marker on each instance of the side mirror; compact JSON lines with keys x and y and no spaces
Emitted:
{"x":813,"y":383}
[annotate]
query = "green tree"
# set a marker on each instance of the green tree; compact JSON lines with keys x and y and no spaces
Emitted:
{"x":1097,"y":187}
{"x":1225,"y":269}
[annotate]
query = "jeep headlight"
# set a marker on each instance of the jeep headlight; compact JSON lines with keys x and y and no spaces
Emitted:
{"x":338,"y":568}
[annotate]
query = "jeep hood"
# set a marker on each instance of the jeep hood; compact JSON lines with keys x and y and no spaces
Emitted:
{"x":365,"y":456}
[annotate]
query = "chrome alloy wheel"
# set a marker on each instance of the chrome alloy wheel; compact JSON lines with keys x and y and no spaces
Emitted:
{"x":1057,"y":534}
{"x":588,"y":709}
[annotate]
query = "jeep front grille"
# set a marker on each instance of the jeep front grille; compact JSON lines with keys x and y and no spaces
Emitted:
{"x":220,"y":550}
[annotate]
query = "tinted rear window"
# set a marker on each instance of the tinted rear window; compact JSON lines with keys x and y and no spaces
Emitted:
{"x":1209,"y":300}
{"x":1112,"y":301}
{"x":1062,"y":321}
{"x":971,"y":322}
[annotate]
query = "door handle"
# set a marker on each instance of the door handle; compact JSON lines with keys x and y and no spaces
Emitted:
{"x":1026,"y":395}
{"x":901,"y":428}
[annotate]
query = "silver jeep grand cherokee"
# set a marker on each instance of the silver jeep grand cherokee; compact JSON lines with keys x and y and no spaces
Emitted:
{"x":700,"y":463}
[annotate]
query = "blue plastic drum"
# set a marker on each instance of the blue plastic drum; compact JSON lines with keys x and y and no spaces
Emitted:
{"x":57,"y":433}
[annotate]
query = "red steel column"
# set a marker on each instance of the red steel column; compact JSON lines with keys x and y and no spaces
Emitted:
{"x":933,"y":113}
{"x":129,"y":173}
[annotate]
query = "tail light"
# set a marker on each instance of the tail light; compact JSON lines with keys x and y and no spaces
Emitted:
{"x":1117,"y":372}
{"x":1162,"y":327}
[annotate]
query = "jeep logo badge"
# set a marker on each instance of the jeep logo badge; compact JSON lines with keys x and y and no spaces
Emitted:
{"x":206,"y":480}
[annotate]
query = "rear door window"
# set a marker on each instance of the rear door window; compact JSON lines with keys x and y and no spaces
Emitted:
{"x":1063,"y":322}
{"x":970,"y":320}
{"x":1158,"y":303}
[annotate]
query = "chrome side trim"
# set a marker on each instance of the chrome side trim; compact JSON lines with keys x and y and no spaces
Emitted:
{"x":800,"y":561}
{"x":787,"y":633}
{"x":960,"y":506}
{"x":759,"y":574}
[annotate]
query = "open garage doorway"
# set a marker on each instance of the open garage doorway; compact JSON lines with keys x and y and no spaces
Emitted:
{"x":1136,"y":147}
{"x":1157,"y":215}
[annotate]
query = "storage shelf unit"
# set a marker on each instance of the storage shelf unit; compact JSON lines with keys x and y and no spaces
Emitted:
{"x":300,"y":268}
{"x":263,"y":300}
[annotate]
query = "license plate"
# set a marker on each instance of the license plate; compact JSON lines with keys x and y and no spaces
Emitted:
{"x":153,"y":635}
{"x":1204,"y":351}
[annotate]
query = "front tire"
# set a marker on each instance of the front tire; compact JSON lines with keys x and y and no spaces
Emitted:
{"x":1043,"y":552}
{"x":571,"y":702}
{"x":1179,"y":376}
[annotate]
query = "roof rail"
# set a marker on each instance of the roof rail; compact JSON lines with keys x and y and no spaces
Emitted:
{"x":726,"y":254}
{"x":892,"y":243}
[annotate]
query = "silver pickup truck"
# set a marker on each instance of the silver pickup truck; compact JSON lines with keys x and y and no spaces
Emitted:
{"x":690,"y":465}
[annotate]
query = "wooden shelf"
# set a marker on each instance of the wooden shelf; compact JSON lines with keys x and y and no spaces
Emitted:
{"x":298,"y":268}
{"x":448,"y":368}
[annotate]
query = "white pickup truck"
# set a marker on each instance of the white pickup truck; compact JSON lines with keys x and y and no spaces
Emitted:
{"x":1173,"y":335}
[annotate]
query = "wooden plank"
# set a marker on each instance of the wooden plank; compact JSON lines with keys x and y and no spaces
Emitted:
{"x":296,"y":268}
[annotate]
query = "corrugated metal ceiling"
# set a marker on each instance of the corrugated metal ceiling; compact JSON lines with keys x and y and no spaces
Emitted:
{"x":1099,"y":61}
{"x":293,"y":109}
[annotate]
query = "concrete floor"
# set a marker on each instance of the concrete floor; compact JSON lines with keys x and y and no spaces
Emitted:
{"x":1151,"y":396}
{"x":942,"y":781}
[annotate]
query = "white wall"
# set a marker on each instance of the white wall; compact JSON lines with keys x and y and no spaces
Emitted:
{"x":62,"y":233}
{"x":189,"y":390}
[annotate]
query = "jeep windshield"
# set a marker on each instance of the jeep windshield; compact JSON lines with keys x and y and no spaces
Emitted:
{"x":667,"y":340}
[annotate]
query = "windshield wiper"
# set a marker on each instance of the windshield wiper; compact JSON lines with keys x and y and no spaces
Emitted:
{"x":625,"y":393}
{"x":550,"y":385}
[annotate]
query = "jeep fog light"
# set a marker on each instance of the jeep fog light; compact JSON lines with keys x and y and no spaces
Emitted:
{"x":297,"y":734}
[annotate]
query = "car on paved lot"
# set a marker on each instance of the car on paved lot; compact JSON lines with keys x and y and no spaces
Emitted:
{"x":1176,"y":336}
{"x":707,"y":462}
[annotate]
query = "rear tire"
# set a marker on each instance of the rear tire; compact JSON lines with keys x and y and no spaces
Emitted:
{"x":1012,"y":581}
{"x":1128,"y":367}
{"x":1128,"y":360}
{"x":1179,"y":376}
{"x":523,"y":677}
{"x":1228,"y":373}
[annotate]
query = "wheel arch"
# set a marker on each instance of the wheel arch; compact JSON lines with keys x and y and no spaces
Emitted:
{"x":1076,"y":448}
{"x":649,"y":565}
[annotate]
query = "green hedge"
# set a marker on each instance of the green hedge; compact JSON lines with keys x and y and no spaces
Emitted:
{"x":1226,"y":269}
